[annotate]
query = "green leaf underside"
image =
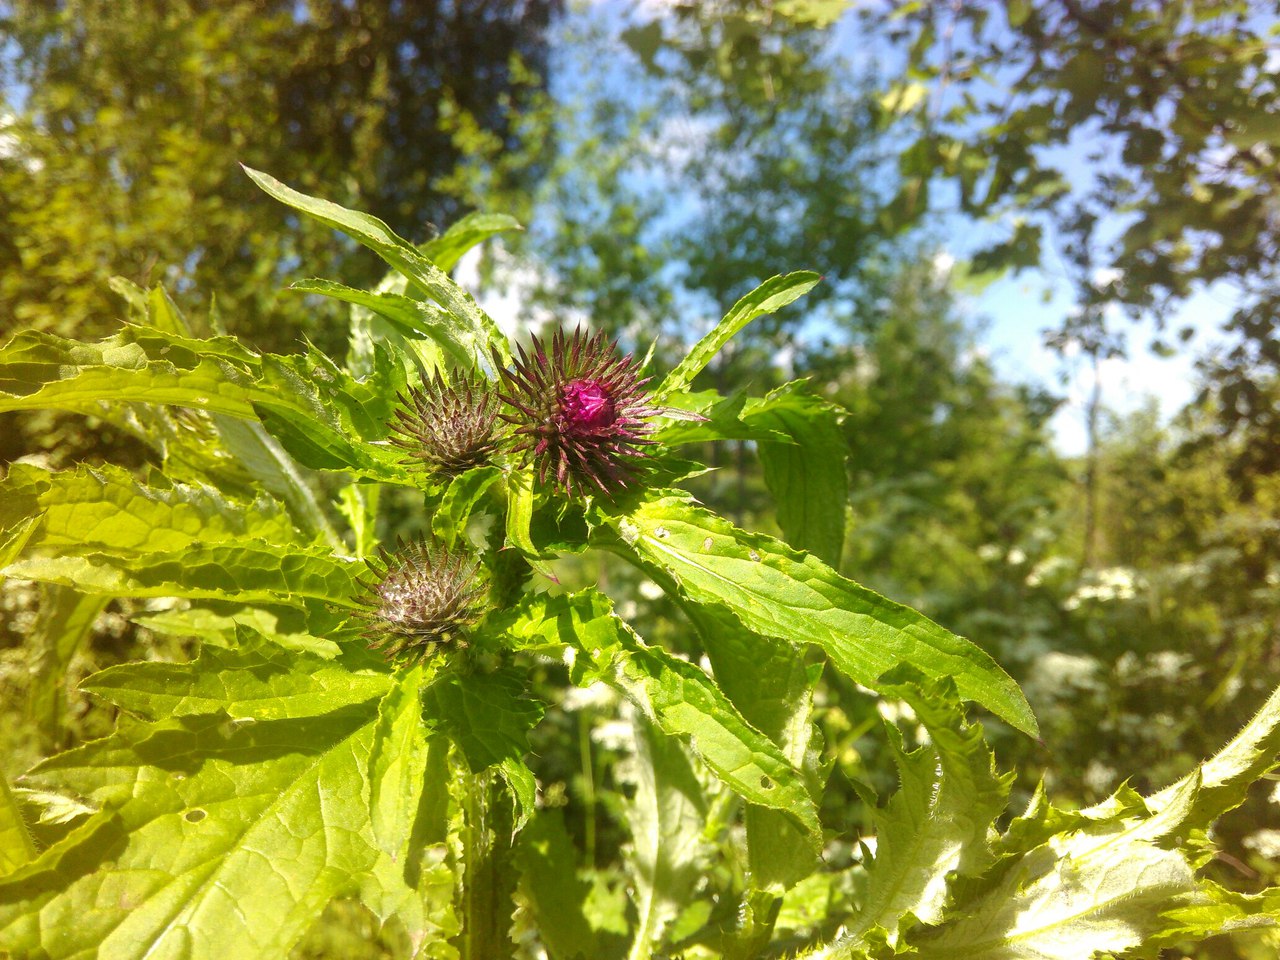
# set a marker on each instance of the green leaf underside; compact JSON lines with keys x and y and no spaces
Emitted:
{"x":309,"y":627}
{"x":449,"y":519}
{"x":16,"y":847}
{"x":63,"y":624}
{"x":938,"y":820}
{"x":489,"y":717}
{"x":218,"y":839}
{"x":447,"y":249}
{"x":256,"y":683}
{"x":679,"y":696}
{"x":318,"y":412}
{"x":780,"y":592}
{"x":244,"y":445}
{"x":402,"y":884}
{"x":39,"y":370}
{"x":668,"y":852}
{"x":770,"y":684}
{"x":13,"y":540}
{"x":771,"y":296}
{"x":247,"y":572}
{"x":801,"y":449}
{"x":546,"y":858}
{"x":807,"y":476}
{"x":471,"y":322}
{"x":521,"y":496}
{"x":1112,"y":877}
{"x":416,"y":318}
{"x":106,"y":508}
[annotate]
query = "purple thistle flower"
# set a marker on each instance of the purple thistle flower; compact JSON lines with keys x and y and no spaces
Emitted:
{"x":581,"y":412}
{"x":423,"y":596}
{"x":448,"y":428}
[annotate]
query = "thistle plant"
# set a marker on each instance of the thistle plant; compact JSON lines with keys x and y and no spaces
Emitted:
{"x":581,"y":412}
{"x":286,"y":767}
{"x":424,"y":595}
{"x":448,"y":428}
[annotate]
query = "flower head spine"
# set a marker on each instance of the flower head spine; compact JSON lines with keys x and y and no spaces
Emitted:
{"x":422,"y":596}
{"x":448,"y":428}
{"x":581,"y":412}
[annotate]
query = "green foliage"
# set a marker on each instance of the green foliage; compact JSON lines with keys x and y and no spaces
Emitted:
{"x":1174,"y":108}
{"x":287,"y":766}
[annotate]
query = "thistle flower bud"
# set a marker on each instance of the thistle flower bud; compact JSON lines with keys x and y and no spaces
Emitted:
{"x":448,"y":428}
{"x":424,"y":595}
{"x":581,"y":412}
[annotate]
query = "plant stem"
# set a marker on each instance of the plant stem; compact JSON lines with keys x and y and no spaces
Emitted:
{"x":588,"y":785}
{"x":489,"y":878}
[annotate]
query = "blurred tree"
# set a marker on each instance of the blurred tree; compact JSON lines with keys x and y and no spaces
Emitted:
{"x":724,"y":142}
{"x":721,"y":144}
{"x":1175,"y":110}
{"x":948,"y":463}
{"x":124,"y":121}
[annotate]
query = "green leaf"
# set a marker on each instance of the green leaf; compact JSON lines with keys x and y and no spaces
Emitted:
{"x":1218,"y":911}
{"x":779,"y":592}
{"x":105,"y":508}
{"x":308,"y":626}
{"x":447,"y":249}
{"x":14,"y":538}
{"x":187,"y":454}
{"x":771,"y":296}
{"x":416,"y":318}
{"x":721,"y":420}
{"x":1098,"y":889}
{"x":550,"y":885}
{"x":40,"y":370}
{"x":489,"y":716}
{"x":267,"y":462}
{"x":1226,"y":776}
{"x":1112,"y":877}
{"x":16,"y":848}
{"x":668,"y":852}
{"x":400,"y":885}
{"x":679,"y":696}
{"x":449,"y":520}
{"x":319,"y":412}
{"x":806,"y":476}
{"x":520,"y":503}
{"x":252,"y":682}
{"x":938,"y":822}
{"x":472,"y":325}
{"x":768,"y":681}
{"x":358,"y":504}
{"x":247,"y":572}
{"x":218,"y":840}
{"x":62,"y":626}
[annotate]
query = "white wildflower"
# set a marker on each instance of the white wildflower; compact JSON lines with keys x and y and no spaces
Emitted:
{"x":1099,"y":777}
{"x":1266,"y":842}
{"x":597,"y":695}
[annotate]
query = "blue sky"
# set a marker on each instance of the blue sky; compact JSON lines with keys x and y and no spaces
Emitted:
{"x":1017,"y":313}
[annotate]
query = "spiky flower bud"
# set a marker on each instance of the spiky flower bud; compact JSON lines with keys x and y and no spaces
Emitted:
{"x":581,"y":412}
{"x":448,"y":428}
{"x":424,"y":595}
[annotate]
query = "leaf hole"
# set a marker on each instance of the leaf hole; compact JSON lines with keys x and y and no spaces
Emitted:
{"x":707,"y":544}
{"x":194,"y":816}
{"x":765,"y":782}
